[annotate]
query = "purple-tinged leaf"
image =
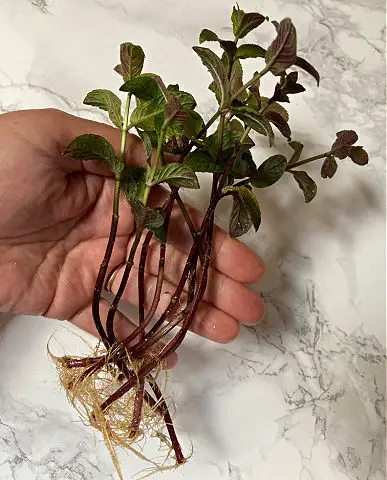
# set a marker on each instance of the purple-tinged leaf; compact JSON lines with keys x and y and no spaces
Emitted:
{"x":305,"y":65}
{"x":229,"y":48}
{"x":172,"y":107}
{"x":245,"y":213}
{"x":279,"y":95}
{"x":296,"y":88}
{"x":147,"y":143}
{"x":277,"y":120}
{"x":119,"y":70}
{"x":290,"y":79}
{"x":236,"y":79}
{"x":297,"y":147}
{"x":282,"y":53}
{"x":359,"y":155}
{"x":254,"y":89}
{"x":240,"y":220}
{"x":132,"y":60}
{"x":215,"y":67}
{"x":271,"y":106}
{"x":341,"y":148}
{"x":329,"y":167}
{"x":307,"y":185}
{"x":243,"y":23}
{"x":249,"y":22}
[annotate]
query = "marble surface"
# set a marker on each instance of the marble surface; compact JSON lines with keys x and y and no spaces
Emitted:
{"x":302,"y":395}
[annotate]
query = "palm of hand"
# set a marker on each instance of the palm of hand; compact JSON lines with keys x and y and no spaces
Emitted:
{"x":55,"y":215}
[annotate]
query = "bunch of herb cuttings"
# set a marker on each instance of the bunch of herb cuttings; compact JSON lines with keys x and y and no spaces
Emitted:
{"x":119,"y":388}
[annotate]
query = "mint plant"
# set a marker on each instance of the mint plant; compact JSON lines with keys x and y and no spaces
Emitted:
{"x":116,"y":389}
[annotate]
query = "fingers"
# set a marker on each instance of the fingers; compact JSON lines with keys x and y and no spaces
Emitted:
{"x":122,"y":326}
{"x":229,"y":256}
{"x":223,"y":292}
{"x":209,"y":321}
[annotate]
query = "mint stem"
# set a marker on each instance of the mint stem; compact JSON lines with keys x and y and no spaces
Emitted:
{"x":308,"y":160}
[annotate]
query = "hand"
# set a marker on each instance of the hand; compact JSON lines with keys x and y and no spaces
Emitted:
{"x":55,"y":215}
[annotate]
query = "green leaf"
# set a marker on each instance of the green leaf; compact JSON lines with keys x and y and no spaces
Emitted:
{"x":307,"y":185}
{"x":150,"y":218}
{"x":186,"y":100}
{"x":256,"y":121}
{"x":236,"y":125}
{"x":269,"y":172}
{"x":253,"y":207}
{"x":146,"y":111}
{"x":133,"y":183}
{"x":244,"y":165}
{"x":236,"y":18}
{"x":245,"y":212}
{"x":329,"y":167}
{"x":194,"y":124}
{"x":305,"y":65}
{"x":94,"y":147}
{"x":297,"y":147}
{"x":215,"y":67}
{"x":177,"y":174}
{"x":132,"y":60}
{"x":160,"y":233}
{"x":201,"y":161}
{"x":208,"y":36}
{"x":249,"y":50}
{"x":229,"y":139}
{"x":359,"y":155}
{"x":282,"y":53}
{"x":173,"y":88}
{"x":107,"y":101}
{"x":214,"y":88}
{"x":144,"y":86}
{"x":240,"y":220}
{"x":343,"y":142}
{"x":243,"y":23}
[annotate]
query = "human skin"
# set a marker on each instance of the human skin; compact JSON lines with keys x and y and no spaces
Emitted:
{"x":55,"y":215}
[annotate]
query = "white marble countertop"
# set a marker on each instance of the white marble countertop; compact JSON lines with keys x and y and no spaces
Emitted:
{"x":302,"y":395}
